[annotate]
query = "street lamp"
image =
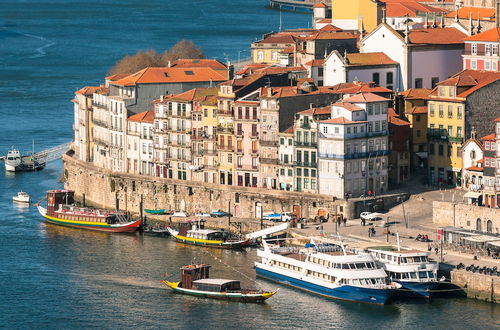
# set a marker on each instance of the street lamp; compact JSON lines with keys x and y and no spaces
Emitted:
{"x":239,"y":54}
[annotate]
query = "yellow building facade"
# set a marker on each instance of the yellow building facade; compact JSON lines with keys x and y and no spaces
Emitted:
{"x":209,"y":122}
{"x":225,"y":134}
{"x":368,"y":11}
{"x":446,"y":122}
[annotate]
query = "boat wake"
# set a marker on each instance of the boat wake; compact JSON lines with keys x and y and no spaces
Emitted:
{"x":132,"y":281}
{"x":40,"y":51}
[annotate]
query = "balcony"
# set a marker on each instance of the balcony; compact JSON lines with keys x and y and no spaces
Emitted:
{"x":101,"y":123}
{"x":247,"y":167}
{"x":255,"y":152}
{"x":442,"y":135}
{"x":225,"y":148}
{"x":209,"y":152}
{"x":306,"y":144}
{"x":356,"y":155}
{"x":269,"y":161}
{"x":239,"y":134}
{"x":224,"y":129}
{"x":381,"y":133}
{"x":239,"y":151}
{"x":254,"y":136}
{"x":264,"y":143}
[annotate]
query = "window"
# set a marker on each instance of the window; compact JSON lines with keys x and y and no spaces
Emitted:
{"x":325,"y":129}
{"x":434,"y":81}
{"x":282,"y":141}
{"x":450,"y":111}
{"x":389,"y":78}
{"x":473,"y":64}
{"x":487,"y":49}
{"x":440,"y":150}
{"x":431,"y":149}
{"x":418,"y":83}
{"x":474,"y":48}
{"x":336,"y":130}
{"x":260,"y":55}
{"x":487,"y":65}
{"x":494,"y":50}
{"x":441,"y":112}
{"x":370,"y":109}
{"x":459,"y":132}
{"x":459,"y":112}
{"x":450,"y":130}
{"x":376,"y":78}
{"x":431,"y":109}
{"x":274,"y":56}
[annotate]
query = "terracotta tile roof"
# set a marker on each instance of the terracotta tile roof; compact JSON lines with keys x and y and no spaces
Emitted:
{"x":369,"y":59}
{"x":146,"y":117}
{"x":486,"y":14}
{"x":417,"y":110}
{"x":366,"y":98}
{"x":437,"y":36}
{"x":320,"y":5}
{"x":209,"y":100}
{"x":401,"y":8}
{"x":325,"y":21}
{"x":358,"y":87}
{"x":475,"y":169}
{"x":163,"y":75}
{"x":466,"y":78}
{"x":315,"y":62}
{"x":416,"y":93}
{"x":317,"y":111}
{"x":394,"y":119}
{"x":288,"y":50}
{"x":491,"y":35}
{"x":89,"y":90}
{"x":341,"y":120}
{"x":249,"y":68}
{"x":497,"y":120}
{"x":117,"y":76}
{"x":329,"y":27}
{"x":289,"y":130}
{"x":277,"y":38}
{"x":489,"y":137}
{"x":195,"y":94}
{"x":326,"y":35}
{"x":197,"y":63}
{"x":279,"y":69}
{"x":347,"y":106}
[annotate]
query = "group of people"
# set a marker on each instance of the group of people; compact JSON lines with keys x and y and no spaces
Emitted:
{"x":371,"y":231}
{"x":422,"y":238}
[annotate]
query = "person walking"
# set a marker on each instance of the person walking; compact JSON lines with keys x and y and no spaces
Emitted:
{"x":344,"y":220}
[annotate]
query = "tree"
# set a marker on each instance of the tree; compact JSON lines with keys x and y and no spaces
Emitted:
{"x":151,"y":58}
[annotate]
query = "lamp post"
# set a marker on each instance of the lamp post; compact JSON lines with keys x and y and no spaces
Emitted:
{"x":239,"y":54}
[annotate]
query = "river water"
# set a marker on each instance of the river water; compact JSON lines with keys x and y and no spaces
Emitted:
{"x":55,"y":277}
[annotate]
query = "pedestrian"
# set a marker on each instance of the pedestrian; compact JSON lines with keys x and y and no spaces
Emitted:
{"x":437,"y":250}
{"x":344,"y":220}
{"x":373,"y":232}
{"x":369,"y":232}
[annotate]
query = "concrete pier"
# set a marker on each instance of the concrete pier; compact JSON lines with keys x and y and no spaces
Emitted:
{"x":478,"y":286}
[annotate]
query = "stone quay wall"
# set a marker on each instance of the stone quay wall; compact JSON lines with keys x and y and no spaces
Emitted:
{"x":465,"y":216}
{"x":478,"y":286}
{"x":103,"y":188}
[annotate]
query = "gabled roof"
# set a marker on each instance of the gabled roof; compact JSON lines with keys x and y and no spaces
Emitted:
{"x":197,"y":63}
{"x":358,"y":87}
{"x":330,"y":35}
{"x":396,"y":120}
{"x":277,"y":38}
{"x":489,"y":137}
{"x":341,"y":121}
{"x":459,"y":81}
{"x":329,"y":27}
{"x":163,"y":75}
{"x":116,"y":76}
{"x":417,"y":110}
{"x":249,"y":68}
{"x":491,"y":35}
{"x":319,"y":62}
{"x":416,"y":93}
{"x":474,"y":79}
{"x":486,"y":14}
{"x":437,"y":36}
{"x":401,"y":8}
{"x":146,"y":117}
{"x":316,"y":111}
{"x":320,"y":5}
{"x":289,"y":130}
{"x":198,"y":94}
{"x":347,"y":106}
{"x":369,"y":59}
{"x":90,"y":90}
{"x":366,"y":98}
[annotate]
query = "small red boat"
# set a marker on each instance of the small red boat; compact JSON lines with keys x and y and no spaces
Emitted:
{"x":62,"y":211}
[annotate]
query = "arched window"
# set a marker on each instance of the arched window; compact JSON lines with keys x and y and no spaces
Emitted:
{"x":478,"y":224}
{"x":489,"y":226}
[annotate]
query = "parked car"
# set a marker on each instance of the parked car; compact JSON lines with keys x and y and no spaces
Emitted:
{"x":277,"y":217}
{"x":363,"y":215}
{"x":202,"y":215}
{"x":218,"y":214}
{"x":373,"y":216}
{"x":180,"y":214}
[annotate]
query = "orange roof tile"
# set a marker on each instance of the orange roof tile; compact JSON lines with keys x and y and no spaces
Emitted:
{"x":491,"y":35}
{"x":329,"y":27}
{"x":320,"y":5}
{"x":163,"y":75}
{"x":417,"y":110}
{"x":327,"y":35}
{"x":497,"y":120}
{"x":315,"y":62}
{"x":146,"y":117}
{"x":366,"y":98}
{"x":489,"y":137}
{"x":248,"y":69}
{"x":401,"y":8}
{"x":486,"y":14}
{"x":369,"y":59}
{"x":277,"y":38}
{"x":340,"y":120}
{"x":475,"y":169}
{"x":89,"y":90}
{"x":197,"y":63}
{"x":466,"y":78}
{"x":437,"y":36}
{"x":348,"y":106}
{"x":197,"y":94}
{"x":416,"y":93}
{"x":117,"y":76}
{"x":325,"y":21}
{"x":289,"y":130}
{"x":316,"y":111}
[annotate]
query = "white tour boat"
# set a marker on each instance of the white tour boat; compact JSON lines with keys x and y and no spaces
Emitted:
{"x":21,"y":197}
{"x":411,"y":268}
{"x":327,"y":270}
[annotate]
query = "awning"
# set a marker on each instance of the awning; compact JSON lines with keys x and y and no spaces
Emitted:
{"x":481,"y":238}
{"x":495,"y":244}
{"x":472,"y":194}
{"x":421,"y":154}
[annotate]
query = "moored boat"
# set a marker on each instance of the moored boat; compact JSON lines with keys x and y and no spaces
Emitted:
{"x":326,"y":270}
{"x":14,"y":162}
{"x":193,"y":232}
{"x":160,"y":211}
{"x":196,"y":282}
{"x":21,"y":197}
{"x":411,"y":268}
{"x":61,"y":210}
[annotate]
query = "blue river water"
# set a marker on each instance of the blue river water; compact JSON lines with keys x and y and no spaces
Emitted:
{"x":61,"y":278}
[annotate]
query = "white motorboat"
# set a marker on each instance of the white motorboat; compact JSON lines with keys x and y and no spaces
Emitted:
{"x":21,"y":197}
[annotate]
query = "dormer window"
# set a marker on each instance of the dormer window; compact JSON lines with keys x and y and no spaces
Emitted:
{"x":452,"y":91}
{"x":442,"y":91}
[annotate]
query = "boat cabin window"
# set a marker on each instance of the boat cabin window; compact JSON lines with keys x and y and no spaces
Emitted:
{"x":215,"y":236}
{"x":413,"y":275}
{"x":422,"y":274}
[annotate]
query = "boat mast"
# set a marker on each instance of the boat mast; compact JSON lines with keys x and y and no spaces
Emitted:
{"x":397,"y":238}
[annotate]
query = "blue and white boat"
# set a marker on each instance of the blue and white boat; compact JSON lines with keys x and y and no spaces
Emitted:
{"x":326,"y":270}
{"x":411,"y":268}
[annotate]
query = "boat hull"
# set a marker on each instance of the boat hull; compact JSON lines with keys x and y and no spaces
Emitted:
{"x":104,"y":227}
{"x":231,"y":296}
{"x":209,"y":243}
{"x":417,"y":289}
{"x":345,"y":292}
{"x":155,"y":211}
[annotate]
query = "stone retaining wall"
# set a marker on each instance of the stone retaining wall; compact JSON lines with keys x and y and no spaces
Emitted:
{"x":465,"y":216}
{"x":478,"y":286}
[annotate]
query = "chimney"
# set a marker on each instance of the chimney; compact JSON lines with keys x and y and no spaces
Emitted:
{"x":426,"y":25}
{"x":471,"y":26}
{"x":442,"y":21}
{"x":479,"y":27}
{"x":169,"y":64}
{"x":311,"y":105}
{"x":434,"y":25}
{"x":269,"y":92}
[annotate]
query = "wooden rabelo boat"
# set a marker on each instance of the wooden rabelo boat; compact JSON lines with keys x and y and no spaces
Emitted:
{"x":61,"y":210}
{"x":194,"y":232}
{"x":196,"y":282}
